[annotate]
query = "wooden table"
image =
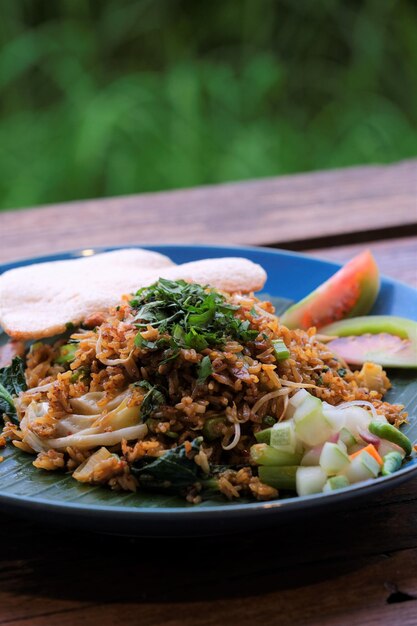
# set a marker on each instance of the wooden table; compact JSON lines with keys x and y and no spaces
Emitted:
{"x":351,"y":567}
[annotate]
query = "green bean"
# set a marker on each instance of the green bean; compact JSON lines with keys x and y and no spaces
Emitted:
{"x":390,"y":433}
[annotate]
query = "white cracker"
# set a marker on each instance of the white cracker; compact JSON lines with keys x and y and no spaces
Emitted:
{"x":39,"y":300}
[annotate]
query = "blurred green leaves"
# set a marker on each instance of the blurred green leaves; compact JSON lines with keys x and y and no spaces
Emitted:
{"x":115,"y":97}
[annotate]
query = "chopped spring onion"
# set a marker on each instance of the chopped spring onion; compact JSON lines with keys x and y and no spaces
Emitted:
{"x":67,"y":353}
{"x":280,"y":350}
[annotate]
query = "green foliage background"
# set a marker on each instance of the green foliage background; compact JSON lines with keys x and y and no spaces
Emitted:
{"x":107,"y":97}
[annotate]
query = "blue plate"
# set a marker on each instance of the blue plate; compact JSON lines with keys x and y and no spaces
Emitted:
{"x":59,"y":499}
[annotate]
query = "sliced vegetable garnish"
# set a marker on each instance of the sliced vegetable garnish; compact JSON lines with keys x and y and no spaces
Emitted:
{"x":370,"y":449}
{"x":392,"y":463}
{"x":384,"y":430}
{"x":262,"y":454}
{"x":330,"y":447}
{"x":384,"y":339}
{"x":351,"y":291}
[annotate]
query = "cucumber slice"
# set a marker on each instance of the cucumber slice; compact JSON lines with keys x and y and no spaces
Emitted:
{"x":298,"y":398}
{"x":347,"y":438}
{"x":264,"y":436}
{"x":336,"y":417}
{"x":333,"y":459}
{"x":295,"y":401}
{"x":283,"y":436}
{"x":311,"y":427}
{"x":309,"y":480}
{"x":262,"y":454}
{"x":335,"y":482}
{"x":362,"y":467}
{"x":278,"y":477}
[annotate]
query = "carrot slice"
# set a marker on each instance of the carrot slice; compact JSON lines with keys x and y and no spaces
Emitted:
{"x":370,"y":448}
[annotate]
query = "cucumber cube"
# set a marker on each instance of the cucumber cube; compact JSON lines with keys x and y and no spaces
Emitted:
{"x":309,"y":480}
{"x":362,"y":467}
{"x":311,"y":427}
{"x":264,"y":436}
{"x":262,"y":454}
{"x":283,"y":436}
{"x":335,"y":482}
{"x":298,"y":398}
{"x":335,"y":417}
{"x":295,"y":401}
{"x":333,"y":459}
{"x":347,"y":438}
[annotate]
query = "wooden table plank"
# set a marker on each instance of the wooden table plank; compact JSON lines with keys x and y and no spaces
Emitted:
{"x":347,"y":565}
{"x":297,"y":211}
{"x":396,"y":258}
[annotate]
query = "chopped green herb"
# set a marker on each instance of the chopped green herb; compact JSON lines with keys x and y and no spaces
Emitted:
{"x":172,"y":434}
{"x":196,"y":317}
{"x":152,"y":400}
{"x":204,"y":369}
{"x":281,"y":351}
{"x":173,"y":470}
{"x":342,"y":371}
{"x":140,"y":342}
{"x":79,"y":373}
{"x":268,"y":420}
{"x":12,"y":382}
{"x":320,"y":380}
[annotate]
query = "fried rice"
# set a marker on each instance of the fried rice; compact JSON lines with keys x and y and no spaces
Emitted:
{"x":123,"y":390}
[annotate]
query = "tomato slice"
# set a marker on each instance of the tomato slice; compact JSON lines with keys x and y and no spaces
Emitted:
{"x":351,"y":291}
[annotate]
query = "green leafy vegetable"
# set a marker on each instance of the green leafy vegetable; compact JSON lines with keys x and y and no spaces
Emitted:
{"x":140,"y":342}
{"x":12,"y":382}
{"x":195,"y":316}
{"x":152,"y":400}
{"x":204,"y":369}
{"x":174,"y":470}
